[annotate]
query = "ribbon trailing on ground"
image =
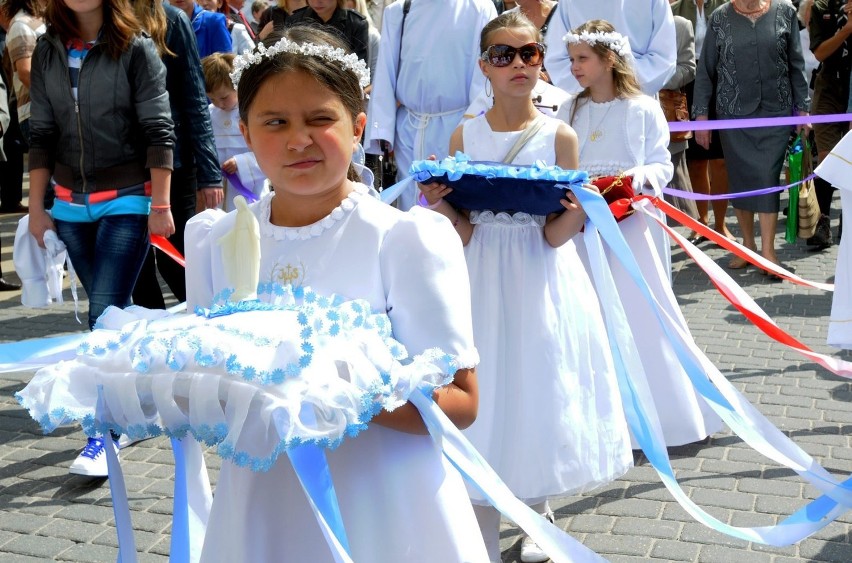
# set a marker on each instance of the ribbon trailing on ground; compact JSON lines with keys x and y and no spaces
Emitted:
{"x":748,"y":307}
{"x":738,"y":413}
{"x":238,"y":185}
{"x":118,"y":492}
{"x":711,"y":124}
{"x":37,"y":353}
{"x":730,"y":245}
{"x":558,"y":545}
{"x":710,"y":197}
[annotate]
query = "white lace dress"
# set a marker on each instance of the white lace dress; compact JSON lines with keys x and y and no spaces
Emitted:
{"x":400,"y":499}
{"x":641,"y":153}
{"x":550,"y":419}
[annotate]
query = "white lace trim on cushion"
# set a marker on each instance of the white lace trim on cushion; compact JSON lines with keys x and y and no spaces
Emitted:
{"x":267,"y":229}
{"x":503,"y":218}
{"x":225,"y":378}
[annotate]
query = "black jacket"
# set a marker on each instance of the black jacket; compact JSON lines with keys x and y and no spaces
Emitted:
{"x":194,"y":145}
{"x":349,"y":24}
{"x":119,"y":127}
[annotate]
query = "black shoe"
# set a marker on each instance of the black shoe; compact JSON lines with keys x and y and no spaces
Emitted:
{"x":822,"y":237}
{"x":14,"y":209}
{"x":9,"y":286}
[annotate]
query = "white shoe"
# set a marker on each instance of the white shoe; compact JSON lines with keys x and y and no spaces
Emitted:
{"x":124,"y":440}
{"x":92,"y":460}
{"x":530,"y":551}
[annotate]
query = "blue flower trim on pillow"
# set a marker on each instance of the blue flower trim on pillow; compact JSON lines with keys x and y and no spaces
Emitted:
{"x":535,"y":189}
{"x":302,"y":367}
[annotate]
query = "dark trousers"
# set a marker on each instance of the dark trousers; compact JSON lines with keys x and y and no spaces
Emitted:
{"x":147,"y":292}
{"x":12,"y":171}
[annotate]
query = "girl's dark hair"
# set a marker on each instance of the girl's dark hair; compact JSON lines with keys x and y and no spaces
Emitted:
{"x":623,"y":77}
{"x":507,"y":20}
{"x":31,"y":7}
{"x":330,"y":74}
{"x":119,"y":29}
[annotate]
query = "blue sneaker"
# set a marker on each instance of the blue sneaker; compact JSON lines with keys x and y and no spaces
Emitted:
{"x":92,"y":461}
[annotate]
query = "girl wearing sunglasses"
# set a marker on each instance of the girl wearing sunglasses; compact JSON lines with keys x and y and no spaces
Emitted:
{"x":550,"y":421}
{"x":623,"y":131}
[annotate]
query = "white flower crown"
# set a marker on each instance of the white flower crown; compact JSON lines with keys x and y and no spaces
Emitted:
{"x":613,"y":40}
{"x":349,"y":61}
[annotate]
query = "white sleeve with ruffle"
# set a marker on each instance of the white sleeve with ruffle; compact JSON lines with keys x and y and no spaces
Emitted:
{"x":427,"y":286}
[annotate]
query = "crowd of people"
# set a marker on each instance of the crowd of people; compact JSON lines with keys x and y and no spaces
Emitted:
{"x":141,"y":118}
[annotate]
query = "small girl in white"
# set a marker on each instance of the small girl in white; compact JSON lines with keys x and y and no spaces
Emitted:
{"x":623,"y":131}
{"x":550,"y":418}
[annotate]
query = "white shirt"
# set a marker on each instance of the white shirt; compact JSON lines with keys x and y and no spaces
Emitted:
{"x":434,"y":76}
{"x":648,"y":24}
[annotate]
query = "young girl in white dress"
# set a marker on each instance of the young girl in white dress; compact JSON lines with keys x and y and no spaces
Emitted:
{"x":550,"y":419}
{"x":622,"y":131}
{"x":399,"y":499}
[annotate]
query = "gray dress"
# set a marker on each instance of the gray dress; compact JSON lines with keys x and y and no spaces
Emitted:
{"x":756,"y":69}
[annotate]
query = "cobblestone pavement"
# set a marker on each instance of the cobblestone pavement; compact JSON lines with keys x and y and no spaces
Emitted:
{"x":47,"y":514}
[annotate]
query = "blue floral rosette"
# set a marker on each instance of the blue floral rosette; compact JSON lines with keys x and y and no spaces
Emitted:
{"x":535,"y":189}
{"x":253,"y":378}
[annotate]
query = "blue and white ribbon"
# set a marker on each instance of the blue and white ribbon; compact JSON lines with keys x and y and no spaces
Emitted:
{"x":734,"y":409}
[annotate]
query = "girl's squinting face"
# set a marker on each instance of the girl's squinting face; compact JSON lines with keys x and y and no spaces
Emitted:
{"x":303,"y":143}
{"x":588,"y":68}
{"x":518,"y":78}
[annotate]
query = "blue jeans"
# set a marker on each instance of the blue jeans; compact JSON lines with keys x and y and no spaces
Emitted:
{"x":107,"y":255}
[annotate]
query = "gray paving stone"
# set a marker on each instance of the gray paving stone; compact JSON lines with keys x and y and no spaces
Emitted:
{"x":38,"y":546}
{"x":769,"y":487}
{"x":647,"y":528}
{"x":722,"y":554}
{"x":669,"y":550}
{"x":621,"y":545}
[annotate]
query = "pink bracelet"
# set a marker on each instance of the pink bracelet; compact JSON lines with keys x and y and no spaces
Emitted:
{"x":425,"y":203}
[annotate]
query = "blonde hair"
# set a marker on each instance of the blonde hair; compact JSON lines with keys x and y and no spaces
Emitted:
{"x":217,"y":71}
{"x":624,"y":79}
{"x":152,"y":18}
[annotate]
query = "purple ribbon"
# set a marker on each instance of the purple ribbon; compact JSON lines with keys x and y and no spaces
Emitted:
{"x":711,"y":124}
{"x":762,"y":191}
{"x":235,"y":182}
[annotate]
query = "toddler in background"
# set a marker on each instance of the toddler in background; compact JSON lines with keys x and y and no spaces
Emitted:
{"x":234,"y":155}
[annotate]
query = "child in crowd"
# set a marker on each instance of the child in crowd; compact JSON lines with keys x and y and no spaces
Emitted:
{"x":399,"y":498}
{"x":622,"y":131}
{"x":234,"y":156}
{"x":550,"y":417}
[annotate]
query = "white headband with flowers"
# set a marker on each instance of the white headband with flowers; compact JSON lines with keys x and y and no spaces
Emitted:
{"x":349,"y":61}
{"x":613,"y":40}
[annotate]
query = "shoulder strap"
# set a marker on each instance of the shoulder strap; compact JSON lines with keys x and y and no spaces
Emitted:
{"x":528,"y":134}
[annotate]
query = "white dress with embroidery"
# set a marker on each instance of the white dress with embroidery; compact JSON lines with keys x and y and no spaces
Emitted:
{"x":550,"y":419}
{"x":400,"y":500}
{"x":630,"y":137}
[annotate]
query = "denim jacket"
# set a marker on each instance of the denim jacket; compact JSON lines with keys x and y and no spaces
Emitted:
{"x":188,"y":101}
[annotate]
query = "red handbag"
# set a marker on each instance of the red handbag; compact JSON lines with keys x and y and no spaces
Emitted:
{"x":618,"y":193}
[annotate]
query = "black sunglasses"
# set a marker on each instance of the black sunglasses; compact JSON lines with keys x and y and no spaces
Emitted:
{"x":532,"y":54}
